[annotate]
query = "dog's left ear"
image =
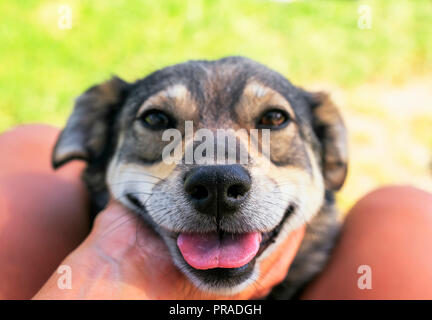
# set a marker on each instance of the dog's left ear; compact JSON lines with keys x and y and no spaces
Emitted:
{"x":331,"y":132}
{"x":88,"y":128}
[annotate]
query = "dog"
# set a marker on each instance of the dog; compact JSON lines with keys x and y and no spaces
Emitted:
{"x":201,"y":210}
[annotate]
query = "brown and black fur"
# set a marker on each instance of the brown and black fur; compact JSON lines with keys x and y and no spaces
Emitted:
{"x":92,"y":134}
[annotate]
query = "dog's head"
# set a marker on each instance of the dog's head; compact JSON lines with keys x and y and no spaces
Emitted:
{"x":223,"y":158}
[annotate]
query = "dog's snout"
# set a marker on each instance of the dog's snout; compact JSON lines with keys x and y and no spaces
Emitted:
{"x":218,"y":190}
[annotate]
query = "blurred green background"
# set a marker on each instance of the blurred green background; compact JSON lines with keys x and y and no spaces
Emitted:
{"x":381,"y":77}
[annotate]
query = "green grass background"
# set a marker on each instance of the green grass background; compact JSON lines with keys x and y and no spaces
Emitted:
{"x":381,"y":77}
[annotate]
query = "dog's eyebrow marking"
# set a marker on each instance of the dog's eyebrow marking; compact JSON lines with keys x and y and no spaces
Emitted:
{"x":174,"y":95}
{"x":177,"y":91}
{"x":258,"y":89}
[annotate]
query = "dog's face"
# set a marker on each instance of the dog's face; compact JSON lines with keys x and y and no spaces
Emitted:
{"x":220,"y":217}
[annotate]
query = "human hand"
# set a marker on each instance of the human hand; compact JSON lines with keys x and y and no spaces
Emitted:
{"x":124,"y":259}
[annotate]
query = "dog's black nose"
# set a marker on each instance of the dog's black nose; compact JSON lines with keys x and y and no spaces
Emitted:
{"x":218,"y":190}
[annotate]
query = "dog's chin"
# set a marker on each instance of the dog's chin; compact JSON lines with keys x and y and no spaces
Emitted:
{"x":226,"y":281}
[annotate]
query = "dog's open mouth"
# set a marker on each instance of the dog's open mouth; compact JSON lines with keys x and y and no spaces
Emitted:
{"x":211,"y":250}
{"x":204,"y":251}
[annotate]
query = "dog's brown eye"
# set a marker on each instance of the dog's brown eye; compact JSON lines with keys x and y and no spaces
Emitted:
{"x":157,"y":120}
{"x":273,"y":119}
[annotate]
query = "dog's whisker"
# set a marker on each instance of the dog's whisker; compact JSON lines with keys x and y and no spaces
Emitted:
{"x":143,"y":174}
{"x":131,"y":193}
{"x":117,"y":224}
{"x":131,"y":181}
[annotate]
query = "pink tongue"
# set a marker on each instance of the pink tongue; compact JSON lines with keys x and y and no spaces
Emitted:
{"x":207,"y":251}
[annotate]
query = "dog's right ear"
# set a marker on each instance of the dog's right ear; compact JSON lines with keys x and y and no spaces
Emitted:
{"x":87,"y":129}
